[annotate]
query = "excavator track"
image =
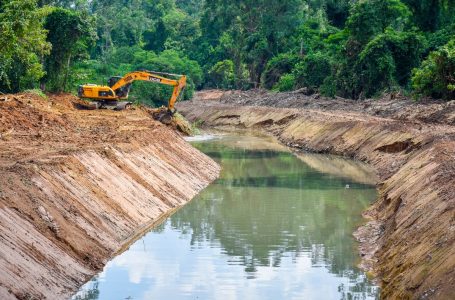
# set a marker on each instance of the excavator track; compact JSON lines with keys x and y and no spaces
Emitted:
{"x":113,"y":105}
{"x":123,"y":105}
{"x":103,"y":104}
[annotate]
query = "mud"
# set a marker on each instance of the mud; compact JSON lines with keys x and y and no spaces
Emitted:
{"x":409,"y":242}
{"x":77,"y":186}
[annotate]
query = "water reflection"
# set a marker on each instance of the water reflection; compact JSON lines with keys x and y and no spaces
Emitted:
{"x":91,"y":292}
{"x":270,"y":228}
{"x":338,"y":166}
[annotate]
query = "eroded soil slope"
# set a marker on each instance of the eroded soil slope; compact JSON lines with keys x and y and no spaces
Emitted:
{"x":76,"y":186}
{"x":410,"y":241}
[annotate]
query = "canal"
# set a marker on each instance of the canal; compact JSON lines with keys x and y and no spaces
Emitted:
{"x":274,"y":226}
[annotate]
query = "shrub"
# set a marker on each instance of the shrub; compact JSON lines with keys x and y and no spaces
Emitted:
{"x":221,"y":75}
{"x":286,"y":83}
{"x":277,"y":67}
{"x":440,"y":38}
{"x":377,"y":67}
{"x":36,"y":92}
{"x":312,"y":70}
{"x":328,"y":87}
{"x":384,"y":63}
{"x":436,"y":75}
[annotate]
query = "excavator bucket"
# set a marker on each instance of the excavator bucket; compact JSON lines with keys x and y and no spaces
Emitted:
{"x":163,"y":115}
{"x":172,"y":119}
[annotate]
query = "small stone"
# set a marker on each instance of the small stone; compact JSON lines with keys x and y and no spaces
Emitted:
{"x":42,"y":210}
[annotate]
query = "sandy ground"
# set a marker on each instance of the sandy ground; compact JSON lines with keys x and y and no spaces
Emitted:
{"x":77,"y":186}
{"x":409,"y":242}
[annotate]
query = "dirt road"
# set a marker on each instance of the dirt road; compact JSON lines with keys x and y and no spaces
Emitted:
{"x":410,"y":239}
{"x":77,"y":186}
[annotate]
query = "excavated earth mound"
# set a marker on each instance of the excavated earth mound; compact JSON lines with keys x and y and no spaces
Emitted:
{"x":78,"y":186}
{"x":409,"y":242}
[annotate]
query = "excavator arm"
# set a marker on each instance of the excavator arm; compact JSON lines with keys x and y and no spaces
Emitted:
{"x":157,"y":77}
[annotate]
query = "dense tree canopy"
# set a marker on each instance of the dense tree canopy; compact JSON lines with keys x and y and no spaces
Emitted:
{"x":354,"y":49}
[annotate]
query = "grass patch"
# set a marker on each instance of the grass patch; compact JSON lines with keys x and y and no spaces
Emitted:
{"x":37,"y":92}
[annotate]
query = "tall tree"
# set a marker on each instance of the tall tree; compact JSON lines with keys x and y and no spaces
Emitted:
{"x":70,"y":33}
{"x":23,"y":41}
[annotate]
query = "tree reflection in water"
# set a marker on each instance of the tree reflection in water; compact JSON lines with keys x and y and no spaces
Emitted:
{"x":91,"y":293}
{"x":267,"y":205}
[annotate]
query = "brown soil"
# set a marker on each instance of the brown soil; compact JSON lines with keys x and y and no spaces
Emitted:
{"x":76,"y":186}
{"x":409,"y":242}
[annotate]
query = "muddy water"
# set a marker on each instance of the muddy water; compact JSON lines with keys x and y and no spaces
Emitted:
{"x":273,"y":226}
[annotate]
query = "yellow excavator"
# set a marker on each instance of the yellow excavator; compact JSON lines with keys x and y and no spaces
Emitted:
{"x":119,"y":87}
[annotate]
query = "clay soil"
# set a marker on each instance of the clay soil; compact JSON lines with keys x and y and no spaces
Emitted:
{"x":409,"y":241}
{"x":77,"y":186}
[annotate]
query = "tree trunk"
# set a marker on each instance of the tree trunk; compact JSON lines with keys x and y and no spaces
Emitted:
{"x":65,"y":80}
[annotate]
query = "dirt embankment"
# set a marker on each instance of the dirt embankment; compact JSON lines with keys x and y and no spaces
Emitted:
{"x":410,"y":240}
{"x":76,"y":187}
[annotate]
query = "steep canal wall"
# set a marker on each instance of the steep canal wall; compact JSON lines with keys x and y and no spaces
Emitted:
{"x":77,"y":187}
{"x":410,"y":239}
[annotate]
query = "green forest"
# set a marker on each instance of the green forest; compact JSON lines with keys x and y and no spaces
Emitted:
{"x":349,"y":48}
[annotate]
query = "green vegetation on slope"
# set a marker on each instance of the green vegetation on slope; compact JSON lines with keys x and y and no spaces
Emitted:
{"x":354,"y":49}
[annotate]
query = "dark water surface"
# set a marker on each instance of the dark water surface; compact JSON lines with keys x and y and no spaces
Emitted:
{"x":271,"y":227}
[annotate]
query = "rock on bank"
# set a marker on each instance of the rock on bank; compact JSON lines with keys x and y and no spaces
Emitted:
{"x":410,"y":241}
{"x":77,"y":186}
